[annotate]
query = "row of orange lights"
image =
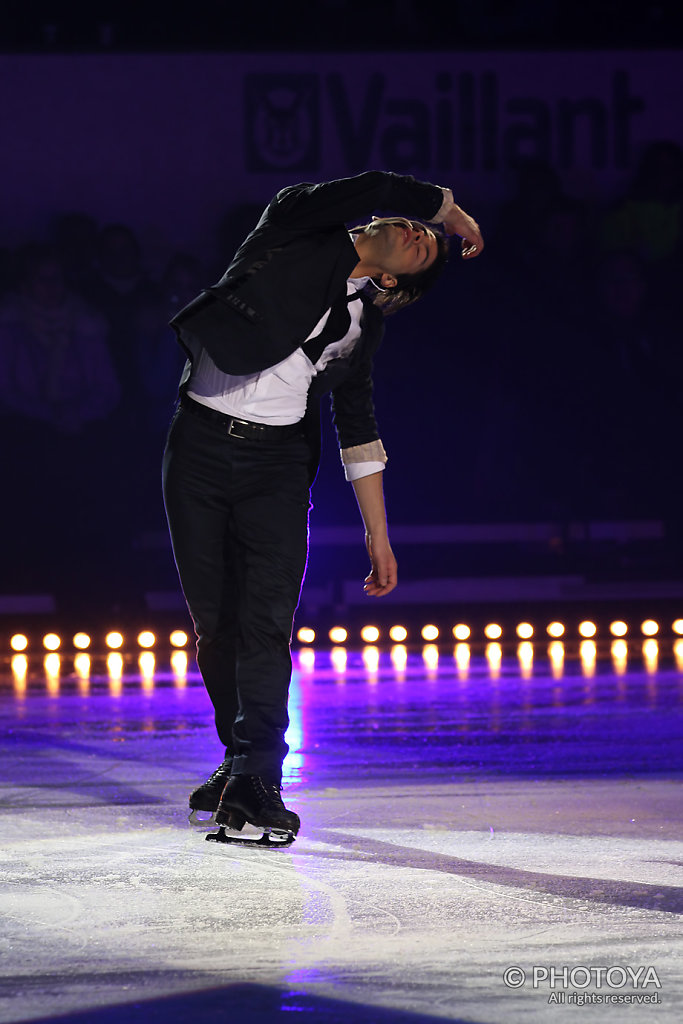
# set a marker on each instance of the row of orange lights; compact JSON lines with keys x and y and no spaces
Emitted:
{"x":114,"y":640}
{"x":115,"y":664}
{"x":492,"y":631}
{"x":619,"y":650}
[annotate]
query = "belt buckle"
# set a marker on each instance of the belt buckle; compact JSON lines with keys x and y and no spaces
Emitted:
{"x":233,"y":433}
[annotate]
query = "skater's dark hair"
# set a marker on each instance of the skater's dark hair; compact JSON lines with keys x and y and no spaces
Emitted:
{"x":410,"y":287}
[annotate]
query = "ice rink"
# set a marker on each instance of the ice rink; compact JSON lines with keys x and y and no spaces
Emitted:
{"x":489,"y":834}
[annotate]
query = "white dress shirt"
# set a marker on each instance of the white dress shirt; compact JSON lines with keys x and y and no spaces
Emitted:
{"x":278,"y":395}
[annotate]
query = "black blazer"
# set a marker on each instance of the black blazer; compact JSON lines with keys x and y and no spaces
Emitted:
{"x":283,"y":278}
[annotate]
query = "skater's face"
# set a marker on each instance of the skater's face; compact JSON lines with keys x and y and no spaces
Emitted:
{"x":390,"y":247}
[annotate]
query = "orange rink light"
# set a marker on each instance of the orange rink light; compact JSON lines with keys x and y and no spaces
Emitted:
{"x":429,"y":632}
{"x":371,"y":658}
{"x":114,"y":640}
{"x":399,"y":657}
{"x":19,"y":642}
{"x":677,"y":627}
{"x":81,"y":641}
{"x":19,"y":666}
{"x":525,"y":630}
{"x":555,"y":629}
{"x":82,"y":665}
{"x":146,"y":638}
{"x":525,"y":656}
{"x":588,"y":651}
{"x":587,"y":629}
{"x":461,"y":631}
{"x":178,"y":638}
{"x":398,"y":634}
{"x":650,"y":654}
{"x":493,"y":631}
{"x":305,"y":635}
{"x":618,"y":628}
{"x":179,"y":663}
{"x":147,"y":663}
{"x":51,"y":642}
{"x":462,"y":655}
{"x":307,"y":659}
{"x":115,"y":664}
{"x":494,"y":656}
{"x":556,"y":654}
{"x":430,"y":655}
{"x":338,"y":656}
{"x":52,"y":664}
{"x":338,"y":635}
{"x":369,"y":634}
{"x":619,"y":650}
{"x":649,"y":627}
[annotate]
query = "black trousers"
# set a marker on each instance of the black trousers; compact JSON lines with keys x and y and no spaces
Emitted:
{"x":238,"y":517}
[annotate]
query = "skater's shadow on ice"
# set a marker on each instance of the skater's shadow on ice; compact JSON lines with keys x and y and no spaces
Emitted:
{"x":644,"y":895}
{"x":257,"y":1004}
{"x":33,"y":763}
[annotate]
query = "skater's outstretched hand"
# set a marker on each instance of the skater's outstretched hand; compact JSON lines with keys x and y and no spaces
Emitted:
{"x":457,"y":222}
{"x":383,"y":576}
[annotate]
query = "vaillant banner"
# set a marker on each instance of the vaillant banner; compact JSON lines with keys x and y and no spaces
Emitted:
{"x":460,"y":121}
{"x":173,"y":142}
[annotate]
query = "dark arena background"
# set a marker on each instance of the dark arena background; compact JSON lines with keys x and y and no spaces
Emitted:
{"x":487,"y":762}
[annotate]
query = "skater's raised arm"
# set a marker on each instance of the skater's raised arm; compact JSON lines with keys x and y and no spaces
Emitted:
{"x":309,"y":206}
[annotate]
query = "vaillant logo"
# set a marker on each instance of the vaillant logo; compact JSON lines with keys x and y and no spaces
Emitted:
{"x":282,"y":122}
{"x":468,"y":121}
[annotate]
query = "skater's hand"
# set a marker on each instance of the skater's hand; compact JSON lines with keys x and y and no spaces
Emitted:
{"x":458,"y":222}
{"x":383,"y":576}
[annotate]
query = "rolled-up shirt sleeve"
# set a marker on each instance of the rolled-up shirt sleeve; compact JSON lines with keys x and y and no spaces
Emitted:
{"x":363,"y":459}
{"x":445,"y":208}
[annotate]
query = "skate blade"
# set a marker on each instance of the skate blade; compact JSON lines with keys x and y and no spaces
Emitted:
{"x":271,"y":839}
{"x":197,"y":822}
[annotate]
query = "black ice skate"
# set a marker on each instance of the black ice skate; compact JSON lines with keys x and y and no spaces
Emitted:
{"x":207,"y":796}
{"x":249,"y":798}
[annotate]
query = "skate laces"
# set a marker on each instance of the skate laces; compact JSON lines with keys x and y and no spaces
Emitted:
{"x":268,"y":791}
{"x":222,"y":770}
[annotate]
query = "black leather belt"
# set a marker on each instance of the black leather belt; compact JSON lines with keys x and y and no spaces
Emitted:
{"x":235,"y":427}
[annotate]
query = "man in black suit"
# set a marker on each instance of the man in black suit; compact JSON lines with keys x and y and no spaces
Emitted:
{"x":298,"y":313}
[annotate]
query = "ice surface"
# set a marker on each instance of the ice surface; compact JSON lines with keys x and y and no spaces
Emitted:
{"x":453,"y":826}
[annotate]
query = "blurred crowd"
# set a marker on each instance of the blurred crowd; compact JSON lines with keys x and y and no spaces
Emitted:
{"x":88,"y":374}
{"x":581,"y":313}
{"x":559,"y":391}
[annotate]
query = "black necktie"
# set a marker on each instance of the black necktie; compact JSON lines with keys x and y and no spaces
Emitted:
{"x":335,"y":328}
